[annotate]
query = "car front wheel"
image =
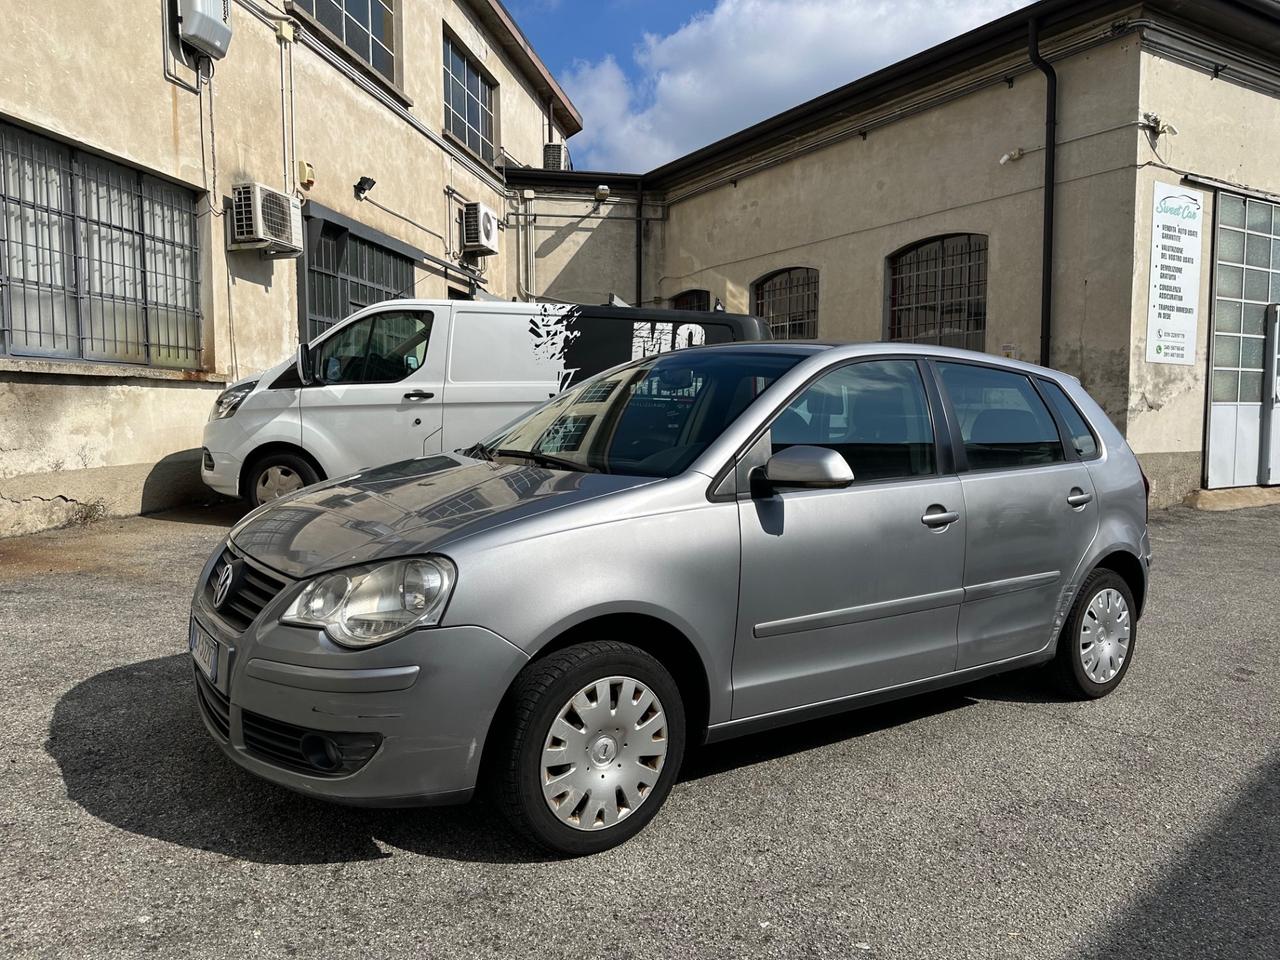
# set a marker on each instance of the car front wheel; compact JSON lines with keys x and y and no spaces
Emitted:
{"x":595,"y":735}
{"x":278,"y":475}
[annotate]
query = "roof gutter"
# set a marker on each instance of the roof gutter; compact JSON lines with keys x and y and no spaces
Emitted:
{"x":1050,"y":175}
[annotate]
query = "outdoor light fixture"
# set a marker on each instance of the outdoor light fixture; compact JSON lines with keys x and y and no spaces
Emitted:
{"x":363,"y":186}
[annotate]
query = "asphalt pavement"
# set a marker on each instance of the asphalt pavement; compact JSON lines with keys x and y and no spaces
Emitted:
{"x":989,"y":821}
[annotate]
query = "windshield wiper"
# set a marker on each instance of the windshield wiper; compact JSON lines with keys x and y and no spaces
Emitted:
{"x":543,"y":459}
{"x":478,"y":451}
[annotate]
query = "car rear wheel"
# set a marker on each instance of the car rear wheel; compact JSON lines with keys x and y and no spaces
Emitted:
{"x":595,"y":735}
{"x":277,"y":475}
{"x":1097,"y":642}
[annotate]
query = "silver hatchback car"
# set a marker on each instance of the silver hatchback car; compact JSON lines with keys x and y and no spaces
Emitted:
{"x":683,"y":549}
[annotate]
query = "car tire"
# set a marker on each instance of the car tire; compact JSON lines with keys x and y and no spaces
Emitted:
{"x":277,"y":475}
{"x":634,"y":742}
{"x":1097,"y":642}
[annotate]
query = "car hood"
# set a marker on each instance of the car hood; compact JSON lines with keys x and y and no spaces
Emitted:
{"x":407,"y":509}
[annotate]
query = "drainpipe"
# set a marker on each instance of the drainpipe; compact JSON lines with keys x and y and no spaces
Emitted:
{"x":639,"y":301}
{"x":1050,"y":173}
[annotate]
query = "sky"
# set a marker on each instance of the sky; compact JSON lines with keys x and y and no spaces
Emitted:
{"x":655,"y":79}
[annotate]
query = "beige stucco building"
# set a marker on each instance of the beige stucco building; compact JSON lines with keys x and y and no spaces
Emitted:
{"x":909,"y":204}
{"x":123,"y":310}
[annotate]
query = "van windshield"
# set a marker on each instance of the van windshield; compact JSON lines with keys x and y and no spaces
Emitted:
{"x":651,"y":418}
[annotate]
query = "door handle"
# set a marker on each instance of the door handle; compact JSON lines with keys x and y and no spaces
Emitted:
{"x":939,"y":516}
{"x":1078,"y":498}
{"x":418,"y":395}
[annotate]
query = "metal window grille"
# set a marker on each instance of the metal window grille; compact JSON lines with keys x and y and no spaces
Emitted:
{"x":97,"y":261}
{"x":468,"y":101}
{"x":367,"y":28}
{"x":346,"y":273}
{"x":788,"y":301}
{"x":938,"y":292}
{"x":692,"y":300}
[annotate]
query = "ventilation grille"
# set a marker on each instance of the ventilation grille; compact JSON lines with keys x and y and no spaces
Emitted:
{"x":277,"y":217}
{"x":553,"y":156}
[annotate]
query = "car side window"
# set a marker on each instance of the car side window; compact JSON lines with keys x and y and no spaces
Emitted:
{"x":1003,"y":421}
{"x":1082,"y":437}
{"x":382,"y":348}
{"x":875,"y":414}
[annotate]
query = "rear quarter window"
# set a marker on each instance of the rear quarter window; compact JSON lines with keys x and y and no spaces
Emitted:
{"x":1082,"y":437}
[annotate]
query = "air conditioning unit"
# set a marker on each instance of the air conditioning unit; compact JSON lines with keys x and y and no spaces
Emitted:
{"x":205,"y":25}
{"x":265,"y":219}
{"x":555,"y":156}
{"x":479,"y":229}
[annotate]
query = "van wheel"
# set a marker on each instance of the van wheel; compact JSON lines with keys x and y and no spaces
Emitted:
{"x":1097,"y":642}
{"x":595,"y":735}
{"x":276,"y":475}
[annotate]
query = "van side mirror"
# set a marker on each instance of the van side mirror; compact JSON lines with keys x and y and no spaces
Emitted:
{"x":805,"y":467}
{"x":302,"y":361}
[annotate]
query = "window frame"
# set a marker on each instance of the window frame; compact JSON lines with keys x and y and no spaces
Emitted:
{"x":703,"y":297}
{"x":941,"y":418}
{"x":395,"y":83}
{"x":92,"y":245}
{"x":889,"y":276}
{"x":450,"y":39}
{"x":372,"y":316}
{"x":959,"y":452}
{"x":815,"y":280}
{"x":314,"y":230}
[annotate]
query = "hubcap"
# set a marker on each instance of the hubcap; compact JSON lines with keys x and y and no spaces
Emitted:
{"x":276,"y":482}
{"x":1104,"y":635}
{"x":604,"y":753}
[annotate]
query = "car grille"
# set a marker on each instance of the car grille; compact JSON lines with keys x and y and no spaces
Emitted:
{"x":298,"y":748}
{"x":214,"y":705}
{"x":256,"y":588}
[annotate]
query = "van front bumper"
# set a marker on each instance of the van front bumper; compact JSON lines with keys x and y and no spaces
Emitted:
{"x":403,"y":724}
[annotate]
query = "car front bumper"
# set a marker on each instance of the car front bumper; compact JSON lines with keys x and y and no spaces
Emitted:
{"x":414,"y":712}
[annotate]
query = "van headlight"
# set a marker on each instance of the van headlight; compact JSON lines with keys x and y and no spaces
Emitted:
{"x":229,"y":400}
{"x":364,"y":606}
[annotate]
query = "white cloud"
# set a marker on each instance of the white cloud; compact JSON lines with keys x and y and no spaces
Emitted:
{"x":743,"y":61}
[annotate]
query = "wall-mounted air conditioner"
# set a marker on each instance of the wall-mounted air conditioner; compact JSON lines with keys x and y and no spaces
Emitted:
{"x":205,"y":25}
{"x":479,"y":229}
{"x":555,"y":156}
{"x":265,"y":219}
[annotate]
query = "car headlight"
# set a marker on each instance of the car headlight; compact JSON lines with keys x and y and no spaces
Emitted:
{"x":369,"y":605}
{"x":229,"y":400}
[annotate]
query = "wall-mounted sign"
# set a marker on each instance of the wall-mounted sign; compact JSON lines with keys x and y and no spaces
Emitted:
{"x":1177,"y":225}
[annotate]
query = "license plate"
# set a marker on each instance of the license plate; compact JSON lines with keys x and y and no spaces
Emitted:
{"x":204,"y":651}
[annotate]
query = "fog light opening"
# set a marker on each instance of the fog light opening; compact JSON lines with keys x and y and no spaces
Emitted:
{"x":321,"y":752}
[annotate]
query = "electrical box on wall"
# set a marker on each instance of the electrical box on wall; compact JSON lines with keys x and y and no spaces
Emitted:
{"x":205,"y":25}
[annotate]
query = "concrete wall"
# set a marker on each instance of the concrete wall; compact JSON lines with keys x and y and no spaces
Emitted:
{"x":97,"y":82}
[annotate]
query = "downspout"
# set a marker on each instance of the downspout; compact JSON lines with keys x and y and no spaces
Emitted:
{"x":1050,"y":173}
{"x":639,"y":243}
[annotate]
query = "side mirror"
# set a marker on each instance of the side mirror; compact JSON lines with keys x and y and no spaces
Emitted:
{"x":814,"y":468}
{"x":302,"y":361}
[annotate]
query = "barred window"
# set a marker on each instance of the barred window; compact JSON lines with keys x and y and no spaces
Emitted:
{"x":366,"y":28}
{"x":97,"y":260}
{"x":692,"y":300}
{"x":788,"y":300}
{"x":346,"y":273}
{"x":938,"y":292}
{"x":468,"y":101}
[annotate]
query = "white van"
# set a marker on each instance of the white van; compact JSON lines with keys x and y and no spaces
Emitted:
{"x":409,"y":378}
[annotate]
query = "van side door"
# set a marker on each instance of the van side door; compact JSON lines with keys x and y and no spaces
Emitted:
{"x":1031,"y":510}
{"x":377,"y":395}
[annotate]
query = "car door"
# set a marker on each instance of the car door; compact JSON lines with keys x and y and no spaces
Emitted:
{"x":1031,"y":512}
{"x":845,"y":591}
{"x":377,"y":396}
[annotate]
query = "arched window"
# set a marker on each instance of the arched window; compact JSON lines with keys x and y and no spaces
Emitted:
{"x":788,"y":300}
{"x":692,"y":300}
{"x":938,"y":292}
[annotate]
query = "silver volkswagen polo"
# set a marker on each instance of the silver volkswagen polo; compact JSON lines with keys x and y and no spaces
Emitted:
{"x":683,"y":549}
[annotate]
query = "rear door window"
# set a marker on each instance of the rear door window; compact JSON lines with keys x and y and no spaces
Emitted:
{"x":1003,"y":421}
{"x":1082,"y":437}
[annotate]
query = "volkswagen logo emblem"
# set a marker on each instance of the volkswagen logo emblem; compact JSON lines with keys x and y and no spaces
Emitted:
{"x":222,"y":586}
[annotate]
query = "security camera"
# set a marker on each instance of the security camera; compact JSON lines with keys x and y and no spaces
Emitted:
{"x":602,"y":193}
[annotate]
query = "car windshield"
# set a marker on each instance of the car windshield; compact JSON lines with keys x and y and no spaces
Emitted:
{"x":651,"y":418}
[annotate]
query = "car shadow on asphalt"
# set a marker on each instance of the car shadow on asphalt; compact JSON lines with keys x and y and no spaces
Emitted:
{"x":135,"y":754}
